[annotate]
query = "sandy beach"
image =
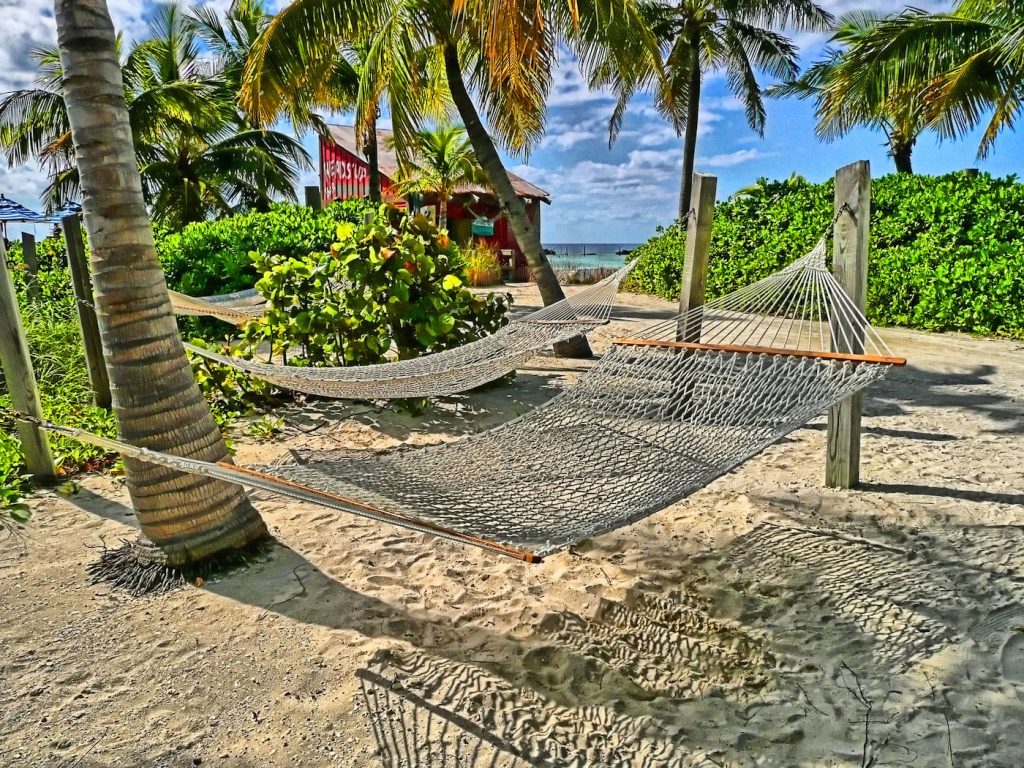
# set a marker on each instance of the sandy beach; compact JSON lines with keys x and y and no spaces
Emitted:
{"x":764,"y":621}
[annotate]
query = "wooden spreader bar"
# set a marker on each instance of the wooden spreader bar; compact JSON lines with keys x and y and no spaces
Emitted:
{"x":881,"y":359}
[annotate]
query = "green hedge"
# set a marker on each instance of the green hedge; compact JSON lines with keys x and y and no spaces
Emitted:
{"x":946,"y":253}
{"x":210,"y":257}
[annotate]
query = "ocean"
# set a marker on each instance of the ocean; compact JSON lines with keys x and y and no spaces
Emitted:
{"x":588,"y":255}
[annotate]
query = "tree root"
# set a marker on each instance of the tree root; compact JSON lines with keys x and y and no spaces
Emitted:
{"x":140,"y":568}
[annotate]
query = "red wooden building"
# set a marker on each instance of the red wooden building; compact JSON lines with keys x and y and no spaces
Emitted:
{"x":473,"y":212}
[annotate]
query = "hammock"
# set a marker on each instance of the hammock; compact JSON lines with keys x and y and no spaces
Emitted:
{"x":659,"y":417}
{"x":238,"y":308}
{"x":453,"y":370}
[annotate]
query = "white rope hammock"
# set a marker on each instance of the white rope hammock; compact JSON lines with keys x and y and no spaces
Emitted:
{"x":237,"y":308}
{"x":453,"y":370}
{"x":659,"y":417}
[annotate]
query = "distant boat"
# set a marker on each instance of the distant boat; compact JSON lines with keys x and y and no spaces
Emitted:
{"x":623,"y":251}
{"x":584,"y":252}
{"x":549,"y":252}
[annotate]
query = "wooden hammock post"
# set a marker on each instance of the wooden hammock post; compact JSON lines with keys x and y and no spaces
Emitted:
{"x":695,"y":265}
{"x":28,"y":255}
{"x":313,"y":198}
{"x":21,"y":379}
{"x":87,"y":323}
{"x":850,"y":268}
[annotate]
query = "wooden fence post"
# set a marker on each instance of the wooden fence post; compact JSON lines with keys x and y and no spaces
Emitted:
{"x":313,"y":199}
{"x":850,"y":268}
{"x":28,"y":255}
{"x":695,"y":265}
{"x":21,"y":379}
{"x":87,"y":322}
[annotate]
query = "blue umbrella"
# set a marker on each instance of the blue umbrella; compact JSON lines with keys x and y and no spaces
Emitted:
{"x":70,"y":208}
{"x":12,"y":211}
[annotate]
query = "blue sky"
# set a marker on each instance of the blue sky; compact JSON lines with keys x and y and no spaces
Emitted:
{"x":601,"y":194}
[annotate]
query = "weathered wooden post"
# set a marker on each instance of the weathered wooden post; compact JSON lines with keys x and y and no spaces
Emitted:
{"x":21,"y":379}
{"x":850,"y":268}
{"x":87,"y":323}
{"x":313,"y":199}
{"x":28,"y":255}
{"x":695,"y":265}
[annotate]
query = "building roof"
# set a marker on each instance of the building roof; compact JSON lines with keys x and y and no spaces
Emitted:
{"x":345,"y":136}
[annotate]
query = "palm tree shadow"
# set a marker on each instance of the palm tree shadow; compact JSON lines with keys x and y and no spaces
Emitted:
{"x":912,"y":387}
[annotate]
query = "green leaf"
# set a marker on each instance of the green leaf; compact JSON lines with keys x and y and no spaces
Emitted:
{"x":20,"y":512}
{"x":450,"y":282}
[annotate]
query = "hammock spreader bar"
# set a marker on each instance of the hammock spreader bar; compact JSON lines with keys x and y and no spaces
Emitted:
{"x":823,"y":355}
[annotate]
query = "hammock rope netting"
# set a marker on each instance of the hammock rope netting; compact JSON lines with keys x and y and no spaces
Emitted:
{"x":657,"y":418}
{"x":442,"y":373}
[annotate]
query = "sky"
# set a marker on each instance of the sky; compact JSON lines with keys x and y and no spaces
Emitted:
{"x":600,"y":194}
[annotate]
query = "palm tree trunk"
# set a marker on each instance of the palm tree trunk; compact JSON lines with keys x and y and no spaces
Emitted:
{"x":155,"y":396}
{"x":901,"y":151}
{"x":442,"y":213}
{"x":525,"y":233}
{"x":690,"y":140}
{"x":372,"y":161}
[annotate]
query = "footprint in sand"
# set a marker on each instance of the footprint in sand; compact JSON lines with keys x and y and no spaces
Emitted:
{"x":1012,"y":657}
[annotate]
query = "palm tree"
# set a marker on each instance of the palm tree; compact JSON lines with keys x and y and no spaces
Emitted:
{"x":701,"y":37}
{"x":440,"y":162}
{"x":508,"y":53}
{"x":966,"y":65}
{"x":156,"y":399}
{"x":840,"y":108}
{"x":198,"y":154}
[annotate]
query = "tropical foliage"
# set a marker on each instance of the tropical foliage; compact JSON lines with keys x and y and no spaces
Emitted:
{"x":844,"y":101}
{"x":199,"y":156}
{"x":947,"y":252}
{"x":697,"y":38}
{"x":967,"y":66}
{"x":211,"y":257}
{"x":58,"y":358}
{"x":439,"y":162}
{"x":381,"y":285}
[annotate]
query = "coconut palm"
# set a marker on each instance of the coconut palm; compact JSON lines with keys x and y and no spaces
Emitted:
{"x":840,"y":107}
{"x":970,"y":62}
{"x":440,"y":162}
{"x":700,"y":37}
{"x":155,"y":396}
{"x":199,"y":155}
{"x":503,"y":50}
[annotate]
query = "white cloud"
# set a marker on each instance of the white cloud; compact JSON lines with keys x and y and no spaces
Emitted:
{"x":568,"y":87}
{"x":729,"y":159}
{"x":638,"y":191}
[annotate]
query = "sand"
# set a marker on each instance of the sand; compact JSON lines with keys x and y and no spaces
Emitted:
{"x":764,"y":621}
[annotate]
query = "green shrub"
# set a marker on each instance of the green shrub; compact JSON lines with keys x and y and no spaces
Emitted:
{"x":51,"y":327}
{"x":211,"y":257}
{"x":946,"y":253}
{"x":382,"y":284}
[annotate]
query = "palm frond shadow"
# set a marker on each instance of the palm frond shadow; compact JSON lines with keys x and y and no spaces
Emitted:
{"x":428,"y":712}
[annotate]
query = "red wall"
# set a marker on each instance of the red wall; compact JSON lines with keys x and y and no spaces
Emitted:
{"x":344,"y":175}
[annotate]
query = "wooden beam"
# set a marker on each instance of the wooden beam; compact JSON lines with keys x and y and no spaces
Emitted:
{"x":87,"y":323}
{"x":313,"y":199}
{"x":695,"y":265}
{"x":850,"y":268}
{"x":742,"y":349}
{"x":28,"y":255}
{"x":21,"y":379}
